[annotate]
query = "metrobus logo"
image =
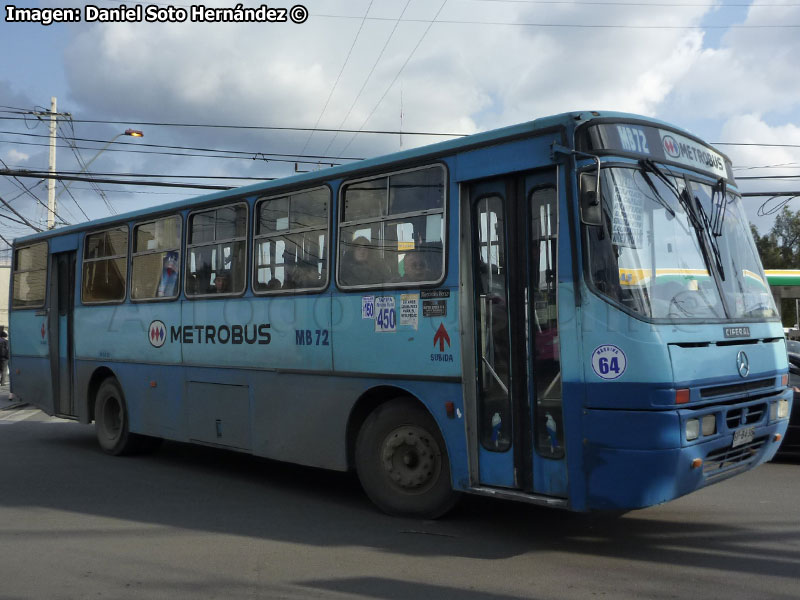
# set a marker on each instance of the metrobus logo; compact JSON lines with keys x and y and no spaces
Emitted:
{"x":157,"y":334}
{"x":671,"y":147}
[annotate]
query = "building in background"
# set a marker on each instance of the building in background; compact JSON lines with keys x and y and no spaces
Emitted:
{"x":5,"y":284}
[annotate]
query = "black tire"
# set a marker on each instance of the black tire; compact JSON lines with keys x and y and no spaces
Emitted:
{"x":111,"y":421}
{"x":402,"y":462}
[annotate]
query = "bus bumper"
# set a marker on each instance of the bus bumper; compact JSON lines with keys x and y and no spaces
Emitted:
{"x":622,"y":477}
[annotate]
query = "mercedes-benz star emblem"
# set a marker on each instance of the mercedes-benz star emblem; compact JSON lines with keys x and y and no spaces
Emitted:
{"x":742,"y":364}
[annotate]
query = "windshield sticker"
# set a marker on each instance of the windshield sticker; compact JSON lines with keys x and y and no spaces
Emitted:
{"x":627,"y":227}
{"x":409,"y":310}
{"x":689,"y":153}
{"x":385,"y":314}
{"x":367,"y":307}
{"x":608,"y":362}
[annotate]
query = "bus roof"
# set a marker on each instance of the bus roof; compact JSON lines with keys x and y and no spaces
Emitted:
{"x":569,"y":120}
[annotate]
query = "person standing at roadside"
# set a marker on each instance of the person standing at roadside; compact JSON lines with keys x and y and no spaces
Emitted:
{"x":5,"y":354}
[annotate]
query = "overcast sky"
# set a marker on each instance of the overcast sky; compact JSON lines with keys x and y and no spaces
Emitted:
{"x":726,"y":71}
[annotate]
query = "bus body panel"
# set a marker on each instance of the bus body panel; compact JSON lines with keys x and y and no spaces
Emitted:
{"x":620,"y":477}
{"x":267,"y":333}
{"x":29,"y":365}
{"x":122,"y":333}
{"x":424,"y":344}
{"x":288,"y":377}
{"x":509,"y":157}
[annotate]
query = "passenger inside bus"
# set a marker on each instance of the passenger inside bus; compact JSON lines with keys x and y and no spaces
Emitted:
{"x":168,"y":285}
{"x":222,"y":283}
{"x":421,"y":264}
{"x":362,"y":263}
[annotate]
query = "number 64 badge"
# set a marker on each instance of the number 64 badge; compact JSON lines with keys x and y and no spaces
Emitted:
{"x":608,"y":361}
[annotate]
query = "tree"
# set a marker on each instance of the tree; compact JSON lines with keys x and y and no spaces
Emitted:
{"x":780,"y":249}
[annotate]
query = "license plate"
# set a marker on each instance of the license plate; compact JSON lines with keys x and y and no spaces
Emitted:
{"x":743,"y":436}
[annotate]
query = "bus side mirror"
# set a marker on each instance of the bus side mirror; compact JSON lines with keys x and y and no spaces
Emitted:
{"x":591,"y":211}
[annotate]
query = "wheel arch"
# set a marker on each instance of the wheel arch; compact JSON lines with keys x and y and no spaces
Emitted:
{"x":95,"y":381}
{"x":368,"y":402}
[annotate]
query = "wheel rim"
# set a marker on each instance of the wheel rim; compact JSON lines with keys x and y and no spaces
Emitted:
{"x":411,"y":459}
{"x":112,"y":418}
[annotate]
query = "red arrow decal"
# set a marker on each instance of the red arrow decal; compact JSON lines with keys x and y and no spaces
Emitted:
{"x":441,"y":337}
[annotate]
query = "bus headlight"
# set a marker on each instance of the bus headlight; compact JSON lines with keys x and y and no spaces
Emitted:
{"x":692,"y":429}
{"x":783,"y":409}
{"x":709,"y":425}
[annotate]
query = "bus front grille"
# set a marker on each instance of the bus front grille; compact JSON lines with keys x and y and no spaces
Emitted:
{"x":737,"y":388}
{"x":726,"y":460}
{"x":745,"y":415}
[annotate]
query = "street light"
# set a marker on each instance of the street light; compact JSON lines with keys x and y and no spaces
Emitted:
{"x":52,"y":209}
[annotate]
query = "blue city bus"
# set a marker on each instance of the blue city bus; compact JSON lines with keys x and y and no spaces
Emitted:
{"x":568,"y":312}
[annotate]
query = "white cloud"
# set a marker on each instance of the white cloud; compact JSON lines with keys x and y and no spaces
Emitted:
{"x":754,"y":70}
{"x":15,"y":156}
{"x":461,"y":77}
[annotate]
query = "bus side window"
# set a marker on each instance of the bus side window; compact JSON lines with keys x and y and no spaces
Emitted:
{"x":384,"y":219}
{"x":291,"y":242}
{"x":216,"y":251}
{"x":155,"y":266}
{"x":105,"y":266}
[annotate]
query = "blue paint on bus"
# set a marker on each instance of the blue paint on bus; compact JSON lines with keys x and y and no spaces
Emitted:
{"x":548,"y":376}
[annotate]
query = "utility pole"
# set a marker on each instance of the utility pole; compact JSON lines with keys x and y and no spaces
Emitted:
{"x":51,"y":183}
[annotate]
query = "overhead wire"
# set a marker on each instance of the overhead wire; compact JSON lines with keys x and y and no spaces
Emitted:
{"x":369,"y":75}
{"x":338,"y":77}
{"x":399,"y":72}
{"x":246,"y":153}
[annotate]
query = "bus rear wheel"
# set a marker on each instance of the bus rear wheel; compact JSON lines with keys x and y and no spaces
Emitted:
{"x":402,"y":461}
{"x":111,"y":421}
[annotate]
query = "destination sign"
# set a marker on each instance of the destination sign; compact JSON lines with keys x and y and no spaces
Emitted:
{"x":660,"y":145}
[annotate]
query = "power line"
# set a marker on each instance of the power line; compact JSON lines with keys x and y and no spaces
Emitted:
{"x":140,"y":144}
{"x":413,"y":51}
{"x":255,"y":156}
{"x":57,"y":176}
{"x":24,"y":220}
{"x":251,"y":127}
{"x":658,"y":4}
{"x":566,"y":25}
{"x":335,"y":83}
{"x":371,"y":71}
{"x":755,"y":144}
{"x":27,"y":190}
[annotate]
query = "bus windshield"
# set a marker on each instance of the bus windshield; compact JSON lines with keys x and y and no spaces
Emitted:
{"x":745,"y":287}
{"x":649,"y":256}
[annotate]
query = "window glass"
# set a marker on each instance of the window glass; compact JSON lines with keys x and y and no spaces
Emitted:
{"x":385,"y":250}
{"x":646,"y":254}
{"x":291,"y":242}
{"x":417,"y":190}
{"x":30,"y":276}
{"x":216,"y":256}
{"x":105,"y":266}
{"x":365,"y":199}
{"x":273,"y":216}
{"x":492,"y":325}
{"x":544,"y":320}
{"x":155,"y":267}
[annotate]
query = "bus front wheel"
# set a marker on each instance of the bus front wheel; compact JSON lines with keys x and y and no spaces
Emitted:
{"x":111,"y":420}
{"x":402,"y":461}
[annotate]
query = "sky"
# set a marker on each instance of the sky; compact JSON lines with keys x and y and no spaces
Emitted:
{"x":725,"y":71}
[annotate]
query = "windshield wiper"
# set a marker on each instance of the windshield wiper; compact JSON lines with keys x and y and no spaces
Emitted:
{"x":652,"y":186}
{"x":710,"y":235}
{"x":697,"y":217}
{"x":718,"y":208}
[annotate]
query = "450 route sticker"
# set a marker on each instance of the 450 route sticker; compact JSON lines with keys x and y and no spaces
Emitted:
{"x":608,"y":361}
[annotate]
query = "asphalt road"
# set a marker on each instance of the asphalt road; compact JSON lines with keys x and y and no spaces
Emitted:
{"x":193,"y":522}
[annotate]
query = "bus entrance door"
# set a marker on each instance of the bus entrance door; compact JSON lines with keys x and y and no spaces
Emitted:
{"x":518,"y":385}
{"x":62,"y":306}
